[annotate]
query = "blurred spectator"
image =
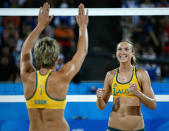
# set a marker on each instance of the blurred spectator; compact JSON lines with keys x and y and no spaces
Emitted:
{"x":165,"y":35}
{"x":149,"y":54}
{"x":21,"y":2}
{"x":60,"y":63}
{"x":14,"y":4}
{"x":5,"y":3}
{"x":144,"y":34}
{"x":10,"y":30}
{"x":127,"y":27}
{"x":93,"y":89}
{"x":147,"y":4}
{"x":131,"y":4}
{"x":31,"y":20}
{"x":165,"y":71}
{"x":69,"y":20}
{"x":8,"y":68}
{"x":149,"y":33}
{"x":165,"y":29}
{"x":163,"y":3}
{"x":154,"y":71}
{"x":15,"y":20}
{"x":65,"y":37}
{"x":31,"y":4}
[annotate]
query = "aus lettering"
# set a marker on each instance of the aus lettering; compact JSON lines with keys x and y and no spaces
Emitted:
{"x":120,"y":91}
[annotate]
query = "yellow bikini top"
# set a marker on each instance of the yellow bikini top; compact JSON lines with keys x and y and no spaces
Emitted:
{"x":41,"y":98}
{"x":122,"y":89}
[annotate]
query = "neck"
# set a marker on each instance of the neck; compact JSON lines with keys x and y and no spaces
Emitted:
{"x":45,"y":70}
{"x":125,"y":67}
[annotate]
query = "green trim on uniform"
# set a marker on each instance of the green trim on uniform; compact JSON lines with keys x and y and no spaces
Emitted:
{"x":126,"y":82}
{"x":35,"y":88}
{"x":113,"y":129}
{"x":47,"y":92}
{"x":137,"y":79}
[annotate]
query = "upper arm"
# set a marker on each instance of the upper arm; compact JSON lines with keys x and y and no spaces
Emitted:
{"x":72,"y":67}
{"x":145,"y":83}
{"x":107,"y":86}
{"x":26,"y":66}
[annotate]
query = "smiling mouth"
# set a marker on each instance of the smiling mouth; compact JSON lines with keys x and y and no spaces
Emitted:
{"x":123,"y":57}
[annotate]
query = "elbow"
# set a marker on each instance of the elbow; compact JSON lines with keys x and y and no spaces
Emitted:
{"x":153,"y":105}
{"x":100,"y":107}
{"x":85,"y":49}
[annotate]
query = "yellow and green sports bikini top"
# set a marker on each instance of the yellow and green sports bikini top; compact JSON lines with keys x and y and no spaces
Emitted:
{"x":41,"y":98}
{"x":122,"y":89}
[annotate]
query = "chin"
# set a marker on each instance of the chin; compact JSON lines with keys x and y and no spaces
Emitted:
{"x":123,"y":61}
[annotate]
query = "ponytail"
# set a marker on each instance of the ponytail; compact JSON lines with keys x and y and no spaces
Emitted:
{"x":133,"y":60}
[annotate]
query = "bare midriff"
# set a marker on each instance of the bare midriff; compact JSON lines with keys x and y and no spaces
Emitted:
{"x":126,"y":114}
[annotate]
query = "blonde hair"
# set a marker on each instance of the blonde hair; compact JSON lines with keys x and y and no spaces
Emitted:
{"x":46,"y":52}
{"x":133,"y":59}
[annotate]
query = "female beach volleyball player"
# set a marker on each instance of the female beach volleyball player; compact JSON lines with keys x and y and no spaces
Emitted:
{"x":130,"y":87}
{"x":45,"y":89}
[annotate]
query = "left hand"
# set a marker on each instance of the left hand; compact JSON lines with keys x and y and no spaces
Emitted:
{"x":133,"y":88}
{"x":43,"y":18}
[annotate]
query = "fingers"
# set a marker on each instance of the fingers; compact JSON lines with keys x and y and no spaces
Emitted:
{"x":100,"y":93}
{"x":81,"y":9}
{"x":51,"y":17}
{"x":132,"y":85}
{"x":45,"y":8}
{"x":87,"y":13}
{"x":40,"y":10}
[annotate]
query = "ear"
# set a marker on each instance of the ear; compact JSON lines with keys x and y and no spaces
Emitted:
{"x":56,"y":62}
{"x":133,"y":53}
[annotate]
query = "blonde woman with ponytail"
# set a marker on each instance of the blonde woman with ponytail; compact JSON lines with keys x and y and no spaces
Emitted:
{"x":130,"y":87}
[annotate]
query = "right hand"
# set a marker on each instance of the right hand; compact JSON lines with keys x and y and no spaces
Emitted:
{"x":43,"y":18}
{"x":100,"y":93}
{"x":81,"y":18}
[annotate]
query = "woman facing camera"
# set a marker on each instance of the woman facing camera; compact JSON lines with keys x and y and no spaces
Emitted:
{"x":130,"y":87}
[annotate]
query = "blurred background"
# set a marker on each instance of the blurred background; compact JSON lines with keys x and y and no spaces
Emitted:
{"x":150,"y":35}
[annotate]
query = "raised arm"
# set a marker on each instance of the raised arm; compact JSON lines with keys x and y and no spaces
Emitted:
{"x":147,"y":97}
{"x":103,"y":95}
{"x":71,"y":68}
{"x":26,"y":66}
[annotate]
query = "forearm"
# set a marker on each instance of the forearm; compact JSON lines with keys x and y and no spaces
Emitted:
{"x":147,"y":101}
{"x":31,"y":40}
{"x":83,"y":40}
{"x":101,"y":104}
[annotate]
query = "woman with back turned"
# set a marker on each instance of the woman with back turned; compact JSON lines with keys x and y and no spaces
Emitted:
{"x":130,"y":87}
{"x":45,"y":89}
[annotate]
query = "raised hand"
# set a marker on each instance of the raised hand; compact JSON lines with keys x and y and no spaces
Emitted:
{"x":100,"y":93}
{"x":82,"y":18}
{"x":43,"y":18}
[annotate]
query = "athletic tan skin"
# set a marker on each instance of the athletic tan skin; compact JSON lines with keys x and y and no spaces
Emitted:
{"x":58,"y":82}
{"x":121,"y":119}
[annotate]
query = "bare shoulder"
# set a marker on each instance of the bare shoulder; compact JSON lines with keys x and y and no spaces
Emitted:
{"x":29,"y":78}
{"x":110,"y":74}
{"x":59,"y":75}
{"x":141,"y":73}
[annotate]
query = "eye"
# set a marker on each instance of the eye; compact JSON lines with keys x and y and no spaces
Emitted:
{"x":119,"y":49}
{"x":126,"y":49}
